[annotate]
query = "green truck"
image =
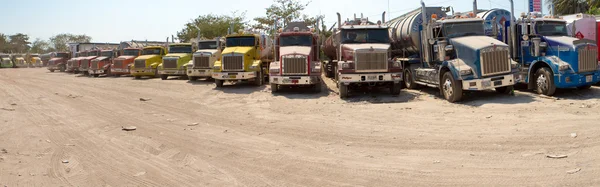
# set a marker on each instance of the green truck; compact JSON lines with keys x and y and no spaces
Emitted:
{"x":6,"y":61}
{"x":173,"y":64}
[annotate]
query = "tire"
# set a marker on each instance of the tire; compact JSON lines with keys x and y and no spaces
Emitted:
{"x":156,"y":75}
{"x":192,"y":78}
{"x":51,"y":70}
{"x":317,"y":88}
{"x":343,"y":90}
{"x":164,"y":77}
{"x":505,"y":90}
{"x":258,"y":81}
{"x":96,"y":75}
{"x":409,"y":80}
{"x":584,"y":87}
{"x":137,"y":77}
{"x":544,"y":82}
{"x":274,"y":88}
{"x":62,"y":68}
{"x":108,"y":73}
{"x":117,"y":75}
{"x":328,"y":74}
{"x":219,"y":83}
{"x":451,"y":90}
{"x":395,"y":88}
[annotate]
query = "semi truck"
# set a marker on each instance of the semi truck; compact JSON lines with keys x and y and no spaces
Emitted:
{"x":173,"y":64}
{"x":147,"y":64}
{"x":358,"y":53}
{"x":34,"y":60}
{"x":450,"y":52}
{"x":548,"y":56}
{"x":19,"y":61}
{"x":59,"y":62}
{"x":122,"y":64}
{"x":46,"y":58}
{"x":6,"y":61}
{"x":246,"y":57}
{"x":73,"y":63}
{"x":204,"y":58}
{"x":101,"y":65}
{"x":296,"y":58}
{"x":85,"y":63}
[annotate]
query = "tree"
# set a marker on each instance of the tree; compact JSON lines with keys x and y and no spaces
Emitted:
{"x":4,"y":45}
{"x":283,"y":11}
{"x":211,"y":26}
{"x":565,"y":7}
{"x":59,"y":42}
{"x":40,"y":46}
{"x":19,"y":43}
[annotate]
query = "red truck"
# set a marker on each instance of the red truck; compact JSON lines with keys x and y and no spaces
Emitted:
{"x":101,"y":64}
{"x":59,"y":62}
{"x":121,"y":65}
{"x":85,"y":63}
{"x":73,"y":64}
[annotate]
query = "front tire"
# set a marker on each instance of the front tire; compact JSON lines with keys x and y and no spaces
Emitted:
{"x":51,"y":70}
{"x":219,"y":83}
{"x":395,"y":88}
{"x":343,"y":90}
{"x":584,"y":87}
{"x":451,"y":90}
{"x":258,"y":81}
{"x":191,"y":78}
{"x":317,"y":88}
{"x":274,"y":88}
{"x":137,"y":77}
{"x":96,"y":75}
{"x":544,"y":82}
{"x":505,"y":90}
{"x":164,"y":77}
{"x":408,"y":79}
{"x":62,"y":68}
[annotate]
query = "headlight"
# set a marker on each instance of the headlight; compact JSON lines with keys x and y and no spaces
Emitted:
{"x":514,"y":65}
{"x":563,"y":67}
{"x":253,"y":67}
{"x":190,"y":65}
{"x":466,"y":72}
{"x":345,"y":65}
{"x":396,"y":64}
{"x":216,"y":67}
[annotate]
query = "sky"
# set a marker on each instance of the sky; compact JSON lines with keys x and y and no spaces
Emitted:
{"x":123,"y":20}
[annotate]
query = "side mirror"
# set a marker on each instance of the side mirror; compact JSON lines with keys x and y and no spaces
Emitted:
{"x":449,"y":48}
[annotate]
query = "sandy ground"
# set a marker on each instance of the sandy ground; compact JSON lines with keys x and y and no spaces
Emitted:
{"x":60,"y":129}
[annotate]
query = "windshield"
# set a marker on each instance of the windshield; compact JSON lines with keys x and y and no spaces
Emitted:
{"x":240,"y":41}
{"x":301,"y":40}
{"x":107,"y":53}
{"x":131,"y":52}
{"x":35,"y":55}
{"x":92,"y":53}
{"x":4,"y":56}
{"x":471,"y":28}
{"x":180,"y":49}
{"x":207,"y":45}
{"x":546,"y":28}
{"x":365,"y":36}
{"x":61,"y":55}
{"x":152,"y":51}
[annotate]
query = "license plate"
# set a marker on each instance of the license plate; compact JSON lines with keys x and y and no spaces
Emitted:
{"x":295,"y":81}
{"x":486,"y":83}
{"x":201,"y":71}
{"x":497,"y":83}
{"x":371,"y":77}
{"x":588,"y":78}
{"x":232,"y":76}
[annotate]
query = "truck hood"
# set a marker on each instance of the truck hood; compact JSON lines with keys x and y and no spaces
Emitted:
{"x":211,"y":51}
{"x":366,"y":46}
{"x":467,"y":47}
{"x":242,"y":50}
{"x":55,"y":59}
{"x":300,"y":50}
{"x":146,"y":57}
{"x":125,"y":57}
{"x":559,"y":40}
{"x":180,"y":55}
{"x":88,"y":58}
{"x":101,"y":58}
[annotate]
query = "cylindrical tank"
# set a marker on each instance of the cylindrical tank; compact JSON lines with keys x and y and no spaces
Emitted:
{"x":582,"y":26}
{"x":404,"y":30}
{"x":266,"y":54}
{"x":329,"y":48}
{"x":502,"y":16}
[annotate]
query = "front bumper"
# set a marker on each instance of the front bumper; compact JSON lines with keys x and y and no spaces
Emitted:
{"x":370,"y":78}
{"x":199,"y":72}
{"x":53,"y":67}
{"x":96,"y":71}
{"x":119,"y":71}
{"x":142,"y":71}
{"x":489,"y":83}
{"x":72,"y":68}
{"x":171,"y":72}
{"x":83,"y":69}
{"x":233,"y":75}
{"x":295,"y":80}
{"x":571,"y":80}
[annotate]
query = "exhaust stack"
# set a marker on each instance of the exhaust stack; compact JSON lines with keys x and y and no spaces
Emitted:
{"x":383,"y":17}
{"x":475,"y":7}
{"x":339,"y":20}
{"x":512,"y":43}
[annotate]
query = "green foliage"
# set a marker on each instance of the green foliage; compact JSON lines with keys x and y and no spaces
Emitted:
{"x":40,"y":46}
{"x":565,"y":7}
{"x":4,"y":47}
{"x":283,"y":11}
{"x":59,"y":42}
{"x":211,"y":26}
{"x":19,"y":43}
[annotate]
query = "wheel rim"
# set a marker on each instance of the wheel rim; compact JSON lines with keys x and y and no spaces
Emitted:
{"x":407,"y":79}
{"x":542,"y":82}
{"x":448,"y":88}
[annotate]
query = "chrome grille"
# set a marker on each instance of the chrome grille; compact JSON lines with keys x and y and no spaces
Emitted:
{"x":118,"y":63}
{"x":95,"y":64}
{"x":139,"y":63}
{"x":233,"y":63}
{"x":588,"y":58}
{"x":370,"y":61}
{"x":494,"y":61}
{"x":201,"y":62}
{"x":294,"y":65}
{"x":170,"y":63}
{"x":85,"y":64}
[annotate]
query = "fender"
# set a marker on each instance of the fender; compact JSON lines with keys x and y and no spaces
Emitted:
{"x":257,"y":64}
{"x":553,"y":62}
{"x":454,"y":65}
{"x":155,"y":64}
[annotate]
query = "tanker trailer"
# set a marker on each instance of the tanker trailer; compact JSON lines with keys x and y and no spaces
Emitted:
{"x":451,"y":53}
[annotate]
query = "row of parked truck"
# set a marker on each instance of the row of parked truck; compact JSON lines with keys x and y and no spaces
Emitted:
{"x":20,"y":60}
{"x":429,"y":46}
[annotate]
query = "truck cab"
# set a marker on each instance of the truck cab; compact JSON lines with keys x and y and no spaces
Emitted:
{"x":19,"y":61}
{"x":550,"y":58}
{"x":246,"y":57}
{"x":6,"y":61}
{"x":296,"y":58}
{"x":73,"y":64}
{"x":204,"y":58}
{"x":59,"y":62}
{"x":173,"y":64}
{"x":86,"y":61}
{"x":35,"y":61}
{"x":101,"y":65}
{"x":122,"y":64}
{"x":147,"y":64}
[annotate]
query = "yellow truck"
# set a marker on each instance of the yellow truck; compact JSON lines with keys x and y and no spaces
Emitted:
{"x":246,"y":57}
{"x":34,"y":60}
{"x":173,"y":64}
{"x":204,"y":58}
{"x":147,"y":64}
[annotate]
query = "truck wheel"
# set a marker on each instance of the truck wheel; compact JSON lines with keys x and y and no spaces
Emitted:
{"x":62,"y":68}
{"x":328,"y":71}
{"x":317,"y":88}
{"x":584,"y":87}
{"x":164,"y":77}
{"x":409,"y":81}
{"x":544,"y":82}
{"x":450,"y":88}
{"x":395,"y":88}
{"x":505,"y":90}
{"x":219,"y":83}
{"x":156,"y":75}
{"x":108,"y":73}
{"x":343,"y":90}
{"x":96,"y":75}
{"x":51,"y":70}
{"x":274,"y":88}
{"x":258,"y":81}
{"x":191,"y":78}
{"x":137,"y":77}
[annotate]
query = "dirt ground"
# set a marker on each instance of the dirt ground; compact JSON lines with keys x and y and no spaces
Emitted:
{"x":60,"y":129}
